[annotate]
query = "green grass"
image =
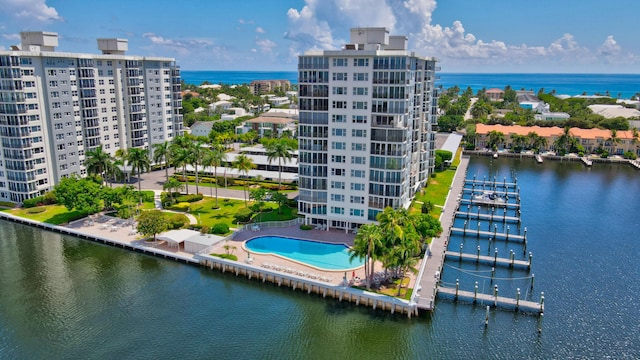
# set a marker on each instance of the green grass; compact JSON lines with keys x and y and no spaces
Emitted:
{"x":437,"y":189}
{"x":53,"y":214}
{"x":226,"y":256}
{"x":273,"y":215}
{"x":206,"y":215}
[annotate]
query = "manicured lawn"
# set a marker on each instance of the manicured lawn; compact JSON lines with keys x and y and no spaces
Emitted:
{"x":206,"y":215}
{"x":54,"y":214}
{"x":437,"y":189}
{"x":273,"y":215}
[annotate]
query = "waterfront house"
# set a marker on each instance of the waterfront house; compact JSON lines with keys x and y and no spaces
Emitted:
{"x":495,"y":94}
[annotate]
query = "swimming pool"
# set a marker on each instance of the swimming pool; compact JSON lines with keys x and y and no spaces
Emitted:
{"x":317,"y":254}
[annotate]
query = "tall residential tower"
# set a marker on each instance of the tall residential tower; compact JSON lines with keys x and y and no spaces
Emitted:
{"x":365,"y":128}
{"x":56,"y":106}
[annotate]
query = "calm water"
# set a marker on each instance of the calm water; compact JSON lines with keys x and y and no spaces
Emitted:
{"x":61,"y":297}
{"x":314,"y":253}
{"x":622,"y":85}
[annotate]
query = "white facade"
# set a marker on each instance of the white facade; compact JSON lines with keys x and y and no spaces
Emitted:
{"x":54,"y":107}
{"x":365,"y":128}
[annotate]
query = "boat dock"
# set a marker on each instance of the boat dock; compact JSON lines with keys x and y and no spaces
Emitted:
{"x":495,"y":260}
{"x":490,"y":234}
{"x":495,"y":300}
{"x":635,"y":163}
{"x":538,"y":159}
{"x":490,"y":217}
{"x":489,"y":203}
{"x":586,"y":161}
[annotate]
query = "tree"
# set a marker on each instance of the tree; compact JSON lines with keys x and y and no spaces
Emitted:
{"x":279,"y":149}
{"x":279,"y":198}
{"x":518,"y":142}
{"x":151,"y":223}
{"x":367,"y":241}
{"x":495,"y":139}
{"x":243,"y":164}
{"x":84,"y":195}
{"x":614,"y":140}
{"x":214,"y":157}
{"x":139,"y":160}
{"x":162,"y":152}
{"x":182,"y":156}
{"x":97,"y":161}
{"x":172,"y":185}
{"x":481,"y":109}
{"x":196,"y":158}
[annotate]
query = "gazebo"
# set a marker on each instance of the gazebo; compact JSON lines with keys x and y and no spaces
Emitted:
{"x":176,"y":238}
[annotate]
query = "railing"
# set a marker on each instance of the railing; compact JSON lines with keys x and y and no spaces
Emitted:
{"x":273,"y":224}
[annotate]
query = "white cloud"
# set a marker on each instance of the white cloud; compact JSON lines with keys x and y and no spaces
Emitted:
{"x":31,"y":9}
{"x":314,"y":27}
{"x":260,"y":30}
{"x":13,"y":37}
{"x":266,"y":45}
{"x":182,"y":47}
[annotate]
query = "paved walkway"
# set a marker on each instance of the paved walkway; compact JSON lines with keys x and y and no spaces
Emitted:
{"x":431,"y":269}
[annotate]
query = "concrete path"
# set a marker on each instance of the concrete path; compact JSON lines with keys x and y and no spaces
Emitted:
{"x":467,"y":115}
{"x":429,"y":274}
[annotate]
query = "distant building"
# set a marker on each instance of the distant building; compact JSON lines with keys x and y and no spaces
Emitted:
{"x":57,"y":106}
{"x":220,"y":105}
{"x":613,"y":111}
{"x":190,"y":93}
{"x":274,"y":122}
{"x":495,"y":94}
{"x":259,"y":87}
{"x":279,"y":100}
{"x":201,"y":128}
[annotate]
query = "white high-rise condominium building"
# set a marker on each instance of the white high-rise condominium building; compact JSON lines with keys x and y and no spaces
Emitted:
{"x":365,"y":128}
{"x":56,"y":106}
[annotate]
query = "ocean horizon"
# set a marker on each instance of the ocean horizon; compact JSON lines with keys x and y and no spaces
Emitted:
{"x":616,"y":85}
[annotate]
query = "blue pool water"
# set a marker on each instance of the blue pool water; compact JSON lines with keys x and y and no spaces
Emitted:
{"x":317,"y":254}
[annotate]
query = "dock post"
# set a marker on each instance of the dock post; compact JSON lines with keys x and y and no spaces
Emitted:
{"x":464,"y":228}
{"x":478,"y":234}
{"x":460,"y":252}
{"x":540,"y":323}
{"x":495,"y":230}
{"x":507,"y":232}
{"x":504,"y":215}
{"x":512,"y":257}
{"x":495,"y":257}
{"x":457,"y":287}
{"x":486,"y":317}
{"x":525,"y":235}
{"x":533,"y":276}
{"x":478,"y":258}
{"x":530,"y":259}
{"x":541,"y":301}
{"x":475,"y":293}
{"x":493,"y":210}
{"x":495,"y":294}
{"x":493,"y":273}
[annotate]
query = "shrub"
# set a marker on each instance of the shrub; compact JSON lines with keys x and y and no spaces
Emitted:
{"x":50,"y":198}
{"x":243,"y":216}
{"x":204,"y":229}
{"x":433,"y":175}
{"x":630,"y":155}
{"x":220,"y":228}
{"x":292,"y":203}
{"x":427,"y":207}
{"x":306,"y":227}
{"x":33,"y":202}
{"x":124,"y":212}
{"x":147,"y":195}
{"x":177,"y":221}
{"x":36,"y":210}
{"x":183,"y":206}
{"x":226,"y":256}
{"x":189,"y":198}
{"x":7,"y":204}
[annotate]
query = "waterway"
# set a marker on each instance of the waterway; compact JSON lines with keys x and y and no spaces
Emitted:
{"x":61,"y":297}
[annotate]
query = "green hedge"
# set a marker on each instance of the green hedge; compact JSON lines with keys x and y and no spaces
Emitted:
{"x":36,"y":210}
{"x":243,"y":216}
{"x":189,"y":198}
{"x":46,"y":199}
{"x":183,"y":206}
{"x":177,"y":221}
{"x":220,"y":228}
{"x":7,"y":204}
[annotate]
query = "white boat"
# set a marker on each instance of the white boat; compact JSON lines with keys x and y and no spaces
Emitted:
{"x":495,"y":155}
{"x":491,"y":197}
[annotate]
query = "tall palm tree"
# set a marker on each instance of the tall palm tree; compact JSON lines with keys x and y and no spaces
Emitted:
{"x":279,"y":149}
{"x":162,"y":152}
{"x":139,"y":160}
{"x":172,"y":185}
{"x":614,"y":140}
{"x":214,"y":157}
{"x":113,"y":171}
{"x":367,"y":242}
{"x":97,"y":161}
{"x":405,"y":255}
{"x":495,"y":139}
{"x":244,"y":164}
{"x":121,"y":156}
{"x":196,"y":158}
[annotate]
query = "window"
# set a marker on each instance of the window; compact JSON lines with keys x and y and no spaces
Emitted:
{"x":356,"y":199}
{"x":358,"y":133}
{"x":338,"y":132}
{"x":337,"y":210}
{"x":53,"y":83}
{"x":337,"y":185}
{"x":339,"y":104}
{"x":360,"y":91}
{"x":338,"y":158}
{"x":336,"y":145}
{"x":100,"y":82}
{"x":339,"y":76}
{"x":338,"y":172}
{"x":360,"y":76}
{"x":357,"y":173}
{"x":337,"y":197}
{"x":356,"y":212}
{"x":111,"y":81}
{"x":100,"y":73}
{"x":55,"y":105}
{"x":55,"y":94}
{"x":340,"y":62}
{"x":339,"y":90}
{"x":360,"y":105}
{"x":72,"y":72}
{"x":109,"y":63}
{"x":358,"y":160}
{"x":51,"y":72}
{"x":109,"y":72}
{"x":359,"y":147}
{"x":338,"y":118}
{"x":360,"y":62}
{"x":359,"y":119}
{"x":357,"y":186}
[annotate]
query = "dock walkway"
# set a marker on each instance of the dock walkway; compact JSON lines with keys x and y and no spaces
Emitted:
{"x":493,"y":235}
{"x":488,"y":259}
{"x":498,"y":301}
{"x":425,"y":294}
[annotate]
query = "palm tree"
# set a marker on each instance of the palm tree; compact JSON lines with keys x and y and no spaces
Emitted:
{"x":405,"y":255}
{"x":182,"y":156}
{"x":139,"y":160}
{"x":367,"y":241}
{"x":121,"y":156}
{"x":97,"y":161}
{"x":172,"y":185}
{"x":563,"y":142}
{"x":196,"y":158}
{"x":614,"y":140}
{"x":518,"y":141}
{"x":162,"y":152}
{"x":113,"y":170}
{"x":495,"y":138}
{"x":244,"y":164}
{"x":279,"y":149}
{"x":214,"y":157}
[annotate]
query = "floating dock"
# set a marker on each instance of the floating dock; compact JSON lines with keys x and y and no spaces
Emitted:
{"x":586,"y":161}
{"x":495,"y":300}
{"x":489,"y":259}
{"x":539,"y":159}
{"x":489,"y":234}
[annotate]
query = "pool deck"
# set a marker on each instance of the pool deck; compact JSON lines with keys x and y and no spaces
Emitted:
{"x":328,"y":236}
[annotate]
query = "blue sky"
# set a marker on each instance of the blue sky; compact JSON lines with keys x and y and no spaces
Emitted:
{"x":581,"y":36}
